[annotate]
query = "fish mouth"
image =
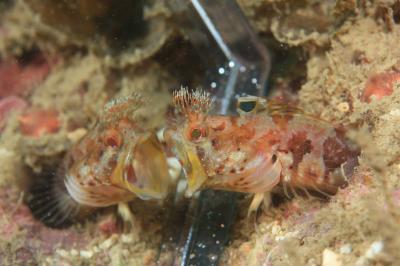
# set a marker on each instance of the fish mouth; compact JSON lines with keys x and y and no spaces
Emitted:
{"x":196,"y":176}
{"x":144,"y":169}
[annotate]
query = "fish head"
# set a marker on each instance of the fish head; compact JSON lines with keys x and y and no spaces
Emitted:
{"x":222,"y":152}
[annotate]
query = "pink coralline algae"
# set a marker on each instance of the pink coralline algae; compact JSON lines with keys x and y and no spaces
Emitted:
{"x":380,"y":85}
{"x":40,"y":122}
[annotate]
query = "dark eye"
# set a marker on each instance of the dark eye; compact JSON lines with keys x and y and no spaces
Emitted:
{"x":247,"y":106}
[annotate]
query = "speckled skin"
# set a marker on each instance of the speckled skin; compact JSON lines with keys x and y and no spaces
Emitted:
{"x":91,"y":177}
{"x":111,"y":163}
{"x":255,"y":152}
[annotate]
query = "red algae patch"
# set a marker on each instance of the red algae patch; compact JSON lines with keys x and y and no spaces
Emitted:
{"x":380,"y":85}
{"x":37,"y":123}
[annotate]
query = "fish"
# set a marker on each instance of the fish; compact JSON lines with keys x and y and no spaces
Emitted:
{"x":117,"y":161}
{"x":267,"y":145}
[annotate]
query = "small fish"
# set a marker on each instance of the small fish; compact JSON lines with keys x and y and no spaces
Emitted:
{"x":115,"y":162}
{"x":267,"y":145}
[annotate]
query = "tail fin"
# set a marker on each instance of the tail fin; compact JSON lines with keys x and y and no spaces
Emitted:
{"x":50,"y":202}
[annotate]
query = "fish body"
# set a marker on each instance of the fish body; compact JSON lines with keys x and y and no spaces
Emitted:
{"x":258,"y":149}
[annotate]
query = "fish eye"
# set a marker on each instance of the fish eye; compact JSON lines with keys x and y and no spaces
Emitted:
{"x":196,"y":134}
{"x":112,"y":138}
{"x":247,"y":106}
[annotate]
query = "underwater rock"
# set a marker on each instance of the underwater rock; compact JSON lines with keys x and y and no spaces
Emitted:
{"x":297,"y":22}
{"x":126,"y":31}
{"x":94,"y":21}
{"x":304,"y":21}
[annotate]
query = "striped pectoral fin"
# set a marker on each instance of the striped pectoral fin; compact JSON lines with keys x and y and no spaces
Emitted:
{"x":262,"y":182}
{"x":100,"y":195}
{"x":50,"y":202}
{"x":265,"y":176}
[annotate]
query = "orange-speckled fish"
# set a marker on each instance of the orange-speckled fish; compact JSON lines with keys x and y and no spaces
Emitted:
{"x":266,"y":145}
{"x":115,"y":162}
